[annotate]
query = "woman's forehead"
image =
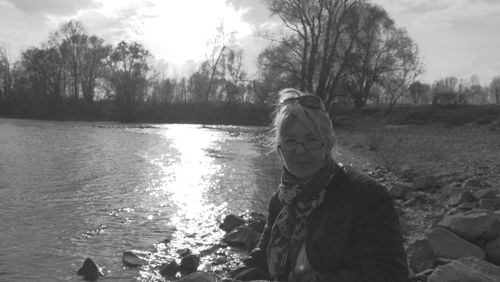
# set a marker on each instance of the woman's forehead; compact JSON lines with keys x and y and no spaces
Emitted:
{"x":297,"y":127}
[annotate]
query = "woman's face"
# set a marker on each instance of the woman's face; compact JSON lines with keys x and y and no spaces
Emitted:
{"x":302,"y":162}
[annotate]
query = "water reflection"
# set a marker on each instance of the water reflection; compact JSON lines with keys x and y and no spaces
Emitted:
{"x":192,"y":175}
{"x":74,"y":190}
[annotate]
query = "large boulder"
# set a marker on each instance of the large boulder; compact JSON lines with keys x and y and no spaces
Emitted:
{"x":492,"y":249}
{"x":421,"y":256}
{"x":446,"y":244}
{"x":473,"y":226}
{"x":242,"y":237}
{"x":469,"y":269}
{"x":440,"y":243}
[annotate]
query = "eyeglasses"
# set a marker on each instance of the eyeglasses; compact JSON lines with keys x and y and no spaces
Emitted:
{"x":308,"y":101}
{"x":291,"y":145}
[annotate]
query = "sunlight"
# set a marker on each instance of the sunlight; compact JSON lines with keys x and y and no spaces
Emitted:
{"x":174,"y":31}
{"x":179,"y":30}
{"x":189,"y":177}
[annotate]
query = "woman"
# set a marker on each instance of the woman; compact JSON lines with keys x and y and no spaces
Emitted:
{"x":326,"y":222}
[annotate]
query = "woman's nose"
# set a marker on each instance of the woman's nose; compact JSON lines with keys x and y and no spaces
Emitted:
{"x":300,"y":148}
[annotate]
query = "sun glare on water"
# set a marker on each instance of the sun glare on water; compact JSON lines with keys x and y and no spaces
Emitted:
{"x":191,"y":175}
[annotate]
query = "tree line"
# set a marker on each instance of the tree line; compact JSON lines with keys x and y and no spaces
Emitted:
{"x":347,"y":51}
{"x":76,"y":73}
{"x":452,"y":91}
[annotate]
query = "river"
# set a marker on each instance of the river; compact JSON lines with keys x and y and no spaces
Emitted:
{"x":71,"y":190}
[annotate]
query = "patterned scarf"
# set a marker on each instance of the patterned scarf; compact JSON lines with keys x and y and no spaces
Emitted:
{"x":289,"y":228}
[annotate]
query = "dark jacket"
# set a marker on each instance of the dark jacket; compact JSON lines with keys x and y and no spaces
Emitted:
{"x":354,"y":235}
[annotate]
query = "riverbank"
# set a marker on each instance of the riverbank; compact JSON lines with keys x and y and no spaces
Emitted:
{"x":450,"y":150}
{"x":184,"y":113}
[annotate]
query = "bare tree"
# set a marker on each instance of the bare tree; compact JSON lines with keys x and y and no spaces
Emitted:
{"x":319,"y":40}
{"x":5,"y":75}
{"x":419,"y":92}
{"x":45,"y":70}
{"x":128,"y":64}
{"x":92,"y":64}
{"x":445,"y":91}
{"x":331,"y":47}
{"x":383,"y":54}
{"x":217,"y":47}
{"x":495,"y":88}
{"x":234,"y":75}
{"x":73,"y":45}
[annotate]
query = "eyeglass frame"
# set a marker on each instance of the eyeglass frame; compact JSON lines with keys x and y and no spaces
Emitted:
{"x":303,"y":145}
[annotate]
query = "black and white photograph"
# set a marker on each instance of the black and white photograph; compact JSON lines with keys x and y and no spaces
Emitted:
{"x":250,"y":140}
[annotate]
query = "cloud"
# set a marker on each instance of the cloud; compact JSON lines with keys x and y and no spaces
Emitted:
{"x":52,"y":7}
{"x":255,"y":12}
{"x":113,"y":23}
{"x":437,"y":14}
{"x":20,"y":31}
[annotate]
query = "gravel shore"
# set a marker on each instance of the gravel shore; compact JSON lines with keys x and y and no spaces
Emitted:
{"x":451,"y":153}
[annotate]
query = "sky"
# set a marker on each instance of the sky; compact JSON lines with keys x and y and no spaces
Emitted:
{"x":455,"y":37}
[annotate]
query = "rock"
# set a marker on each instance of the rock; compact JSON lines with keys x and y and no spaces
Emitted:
{"x":424,"y":182}
{"x":449,"y":189}
{"x":416,"y":199}
{"x":460,"y":198}
{"x":212,"y":249}
{"x":183,"y":252}
{"x":131,"y":259}
{"x":242,"y":237}
{"x":473,"y":225}
{"x":473,"y":182}
{"x":230,"y":222}
{"x":220,"y":260}
{"x":169,"y":269}
{"x":421,"y":276}
{"x":89,"y":270}
{"x":446,"y":244}
{"x":486,"y":193}
{"x":492,"y":204}
{"x":441,"y":261}
{"x":406,"y":172}
{"x":197,"y":276}
{"x":467,"y":206}
{"x":189,"y":263}
{"x":421,"y":256}
{"x":469,"y":269}
{"x":400,"y":190}
{"x":492,"y":249}
{"x":440,"y":243}
{"x":165,"y":241}
{"x":257,"y":224}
